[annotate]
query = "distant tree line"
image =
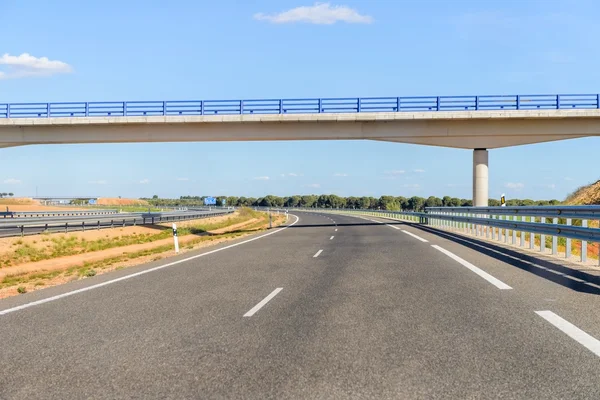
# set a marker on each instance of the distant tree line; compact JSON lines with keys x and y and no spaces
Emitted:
{"x":6,"y":194}
{"x":392,"y":203}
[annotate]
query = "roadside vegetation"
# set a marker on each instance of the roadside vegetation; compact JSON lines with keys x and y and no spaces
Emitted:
{"x":243,"y":222}
{"x":391,"y":203}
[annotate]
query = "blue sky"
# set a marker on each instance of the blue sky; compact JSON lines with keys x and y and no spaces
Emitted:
{"x":149,"y":50}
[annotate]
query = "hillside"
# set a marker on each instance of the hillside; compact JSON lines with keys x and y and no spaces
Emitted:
{"x":585,"y":195}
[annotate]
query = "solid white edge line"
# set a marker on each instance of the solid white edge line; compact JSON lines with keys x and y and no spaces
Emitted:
{"x":317,"y":254}
{"x":98,"y":285}
{"x":331,"y":238}
{"x":415,"y":236}
{"x":494,"y":281}
{"x":581,"y":337}
{"x":392,"y":226}
{"x":264,"y":301}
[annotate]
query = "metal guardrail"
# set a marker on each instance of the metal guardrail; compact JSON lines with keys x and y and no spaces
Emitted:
{"x":501,"y":223}
{"x":39,"y":214}
{"x":37,"y":227}
{"x":578,"y":212}
{"x":300,"y":106}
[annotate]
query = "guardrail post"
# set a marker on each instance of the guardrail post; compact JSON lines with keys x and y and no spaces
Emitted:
{"x":47,"y":110}
{"x":112,"y":224}
{"x":568,"y":246}
{"x":320,"y":105}
{"x":241,"y":107}
{"x":8,"y":111}
{"x":557,"y":101}
{"x":514,"y":235}
{"x":46,"y":228}
{"x":555,"y":239}
{"x":518,"y":103}
{"x":522,"y":233}
{"x":164,"y":108}
{"x":584,"y":224}
{"x":437,"y":104}
{"x":542,"y":237}
{"x":398,"y":104}
{"x":280,"y":106}
{"x":66,"y":227}
{"x":124,"y":108}
{"x":506,"y":231}
{"x":98,"y":225}
{"x":87,"y":109}
{"x":598,"y":101}
{"x":493,"y":230}
{"x":359,"y":104}
{"x":83,"y":226}
{"x":123,"y":223}
{"x":22,"y":230}
{"x":531,"y":236}
{"x":476,"y":102}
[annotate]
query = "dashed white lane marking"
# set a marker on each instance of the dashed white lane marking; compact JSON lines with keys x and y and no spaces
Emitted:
{"x":336,"y":230}
{"x":494,"y":281}
{"x":317,"y":254}
{"x":415,"y":236}
{"x":98,"y":285}
{"x":581,"y":337}
{"x":392,"y":226}
{"x":264,"y":301}
{"x":331,"y":238}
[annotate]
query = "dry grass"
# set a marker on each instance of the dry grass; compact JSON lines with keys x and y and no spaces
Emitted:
{"x":249,"y":220}
{"x":585,"y":195}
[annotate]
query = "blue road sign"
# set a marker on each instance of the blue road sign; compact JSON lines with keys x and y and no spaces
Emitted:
{"x":210,"y":201}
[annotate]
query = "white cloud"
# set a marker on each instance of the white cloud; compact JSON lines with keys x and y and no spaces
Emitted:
{"x":567,"y":178}
{"x":100,"y":182}
{"x":549,"y":186}
{"x":411,"y":186}
{"x":12,"y":181}
{"x":319,"y":13}
{"x":261,"y":178}
{"x":418,"y":170}
{"x":182,"y":179}
{"x":314,"y":185}
{"x":395,"y":172}
{"x":340,"y":174}
{"x":27,"y":65}
{"x":145,"y":181}
{"x":514,"y":185}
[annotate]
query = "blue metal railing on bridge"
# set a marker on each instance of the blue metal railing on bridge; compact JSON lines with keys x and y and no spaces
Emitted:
{"x":300,"y":106}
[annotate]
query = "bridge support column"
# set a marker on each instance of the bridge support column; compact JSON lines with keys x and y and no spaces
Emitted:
{"x":480,"y":178}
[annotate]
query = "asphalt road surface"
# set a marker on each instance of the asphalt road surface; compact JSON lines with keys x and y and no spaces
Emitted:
{"x":356,"y":308}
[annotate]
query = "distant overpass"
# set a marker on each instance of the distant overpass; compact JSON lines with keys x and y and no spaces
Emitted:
{"x":469,"y":122}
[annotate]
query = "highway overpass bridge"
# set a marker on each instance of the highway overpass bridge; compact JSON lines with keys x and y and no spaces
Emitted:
{"x":468,"y":122}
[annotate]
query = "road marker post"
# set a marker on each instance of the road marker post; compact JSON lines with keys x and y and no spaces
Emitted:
{"x":175,"y":239}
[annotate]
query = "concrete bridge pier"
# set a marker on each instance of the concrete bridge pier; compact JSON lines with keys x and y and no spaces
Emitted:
{"x":480,"y":178}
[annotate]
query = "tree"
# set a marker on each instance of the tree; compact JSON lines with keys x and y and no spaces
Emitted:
{"x":455,"y":202}
{"x":433,"y":201}
{"x":416,"y":203}
{"x":11,"y":194}
{"x":447,"y":201}
{"x":155,"y":197}
{"x":388,"y":203}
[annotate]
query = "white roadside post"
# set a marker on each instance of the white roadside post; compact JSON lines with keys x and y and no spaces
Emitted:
{"x":175,"y":239}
